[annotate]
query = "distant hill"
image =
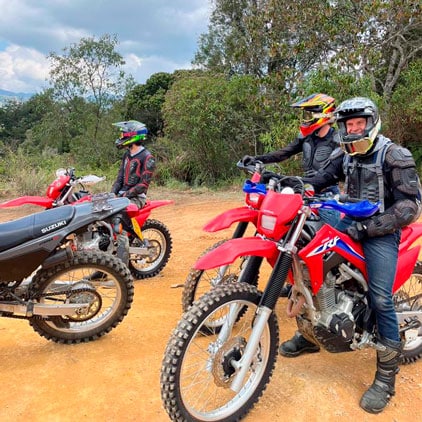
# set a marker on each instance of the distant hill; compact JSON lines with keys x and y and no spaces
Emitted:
{"x":9,"y":95}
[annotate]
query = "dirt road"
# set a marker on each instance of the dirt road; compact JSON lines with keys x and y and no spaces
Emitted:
{"x":116,"y":378}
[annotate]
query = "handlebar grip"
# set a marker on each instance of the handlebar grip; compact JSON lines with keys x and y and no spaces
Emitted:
{"x":267,"y":175}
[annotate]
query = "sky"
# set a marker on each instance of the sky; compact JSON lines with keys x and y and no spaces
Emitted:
{"x":153,"y":35}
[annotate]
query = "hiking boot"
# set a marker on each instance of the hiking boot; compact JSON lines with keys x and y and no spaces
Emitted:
{"x":296,"y":346}
{"x":382,"y":389}
{"x":285,"y":290}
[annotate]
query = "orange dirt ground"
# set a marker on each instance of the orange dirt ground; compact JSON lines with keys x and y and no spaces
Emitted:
{"x":117,"y":378}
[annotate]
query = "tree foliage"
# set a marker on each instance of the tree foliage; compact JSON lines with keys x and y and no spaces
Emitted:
{"x":87,"y":78}
{"x":404,"y":121}
{"x":378,"y":38}
{"x":144,"y":101}
{"x":92,"y":70}
{"x":211,"y":121}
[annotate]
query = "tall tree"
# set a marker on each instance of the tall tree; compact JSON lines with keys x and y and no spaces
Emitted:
{"x":144,"y":101}
{"x":291,"y":38}
{"x":90,"y":71}
{"x":236,"y":40}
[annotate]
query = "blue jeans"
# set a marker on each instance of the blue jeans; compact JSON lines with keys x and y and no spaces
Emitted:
{"x":381,"y":255}
{"x":331,"y":217}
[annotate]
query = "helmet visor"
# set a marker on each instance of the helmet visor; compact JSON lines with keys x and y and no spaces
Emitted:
{"x":307,"y":116}
{"x":358,"y":147}
{"x":311,"y":117}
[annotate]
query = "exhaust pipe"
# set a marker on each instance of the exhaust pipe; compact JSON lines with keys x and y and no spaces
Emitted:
{"x":61,"y":256}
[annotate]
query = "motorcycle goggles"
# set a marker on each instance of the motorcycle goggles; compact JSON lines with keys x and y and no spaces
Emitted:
{"x":309,"y":117}
{"x":358,"y":147}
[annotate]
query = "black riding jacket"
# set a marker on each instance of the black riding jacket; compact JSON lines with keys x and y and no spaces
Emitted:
{"x":316,"y":152}
{"x":395,"y":183}
{"x":135,"y":174}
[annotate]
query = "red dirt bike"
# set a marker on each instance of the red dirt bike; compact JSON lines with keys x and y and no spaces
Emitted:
{"x":200,"y":281}
{"x":221,"y":375}
{"x":146,"y":250}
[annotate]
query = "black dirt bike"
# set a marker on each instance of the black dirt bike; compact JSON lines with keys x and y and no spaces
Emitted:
{"x":46,"y":280}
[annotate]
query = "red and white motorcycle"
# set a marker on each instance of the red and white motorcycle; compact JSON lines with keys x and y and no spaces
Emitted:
{"x":222,"y":374}
{"x":200,"y":281}
{"x":146,"y":251}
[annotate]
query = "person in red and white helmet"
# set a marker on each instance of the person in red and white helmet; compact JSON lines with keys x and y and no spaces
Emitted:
{"x":316,"y":141}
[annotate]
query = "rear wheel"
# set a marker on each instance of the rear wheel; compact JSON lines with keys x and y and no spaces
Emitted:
{"x":408,"y":305}
{"x":197,"y":370}
{"x":157,"y":240}
{"x":104,"y":302}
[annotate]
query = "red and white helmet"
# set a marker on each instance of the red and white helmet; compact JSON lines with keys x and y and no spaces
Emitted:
{"x":318,"y":111}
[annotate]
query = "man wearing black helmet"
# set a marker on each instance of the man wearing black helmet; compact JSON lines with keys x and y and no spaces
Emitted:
{"x":374,"y":168}
{"x":316,"y":141}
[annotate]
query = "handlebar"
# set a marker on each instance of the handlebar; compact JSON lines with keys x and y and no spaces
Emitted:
{"x":251,"y":168}
{"x":354,"y":207}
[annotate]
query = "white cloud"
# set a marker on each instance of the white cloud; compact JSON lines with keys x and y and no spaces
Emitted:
{"x":22,"y":69}
{"x":154,"y":35}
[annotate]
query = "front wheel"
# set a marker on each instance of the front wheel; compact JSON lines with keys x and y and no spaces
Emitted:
{"x":197,"y":370}
{"x":109,"y":298}
{"x":408,"y":305}
{"x":158,"y":244}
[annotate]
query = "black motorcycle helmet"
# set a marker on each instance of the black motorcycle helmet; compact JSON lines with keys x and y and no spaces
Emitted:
{"x":358,"y":144}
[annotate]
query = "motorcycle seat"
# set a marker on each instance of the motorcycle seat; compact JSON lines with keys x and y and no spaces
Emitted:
{"x":19,"y":231}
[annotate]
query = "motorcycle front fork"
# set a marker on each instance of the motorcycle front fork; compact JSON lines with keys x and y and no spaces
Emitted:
{"x":268,"y":302}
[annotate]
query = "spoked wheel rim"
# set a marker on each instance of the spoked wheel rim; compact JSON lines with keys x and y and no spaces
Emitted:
{"x":73,"y":286}
{"x":157,"y":245}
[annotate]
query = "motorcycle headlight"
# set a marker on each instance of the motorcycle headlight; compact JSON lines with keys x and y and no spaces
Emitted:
{"x":253,"y":198}
{"x":268,"y":222}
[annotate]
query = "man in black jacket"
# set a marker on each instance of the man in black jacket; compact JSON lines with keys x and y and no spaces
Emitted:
{"x":137,"y":165}
{"x":376,"y":169}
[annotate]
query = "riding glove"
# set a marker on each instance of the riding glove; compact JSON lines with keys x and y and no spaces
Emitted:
{"x":248,"y":160}
{"x":357,"y":231}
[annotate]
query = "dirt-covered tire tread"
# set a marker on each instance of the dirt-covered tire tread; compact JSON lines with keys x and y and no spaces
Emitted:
{"x":194,"y":278}
{"x":412,"y":355}
{"x":182,"y":335}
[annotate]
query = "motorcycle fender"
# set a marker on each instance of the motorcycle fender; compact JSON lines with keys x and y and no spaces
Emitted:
{"x":42,"y":201}
{"x":87,"y":198}
{"x":227,"y":218}
{"x":409,"y":235}
{"x":228,"y":251}
{"x":142,"y":214}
